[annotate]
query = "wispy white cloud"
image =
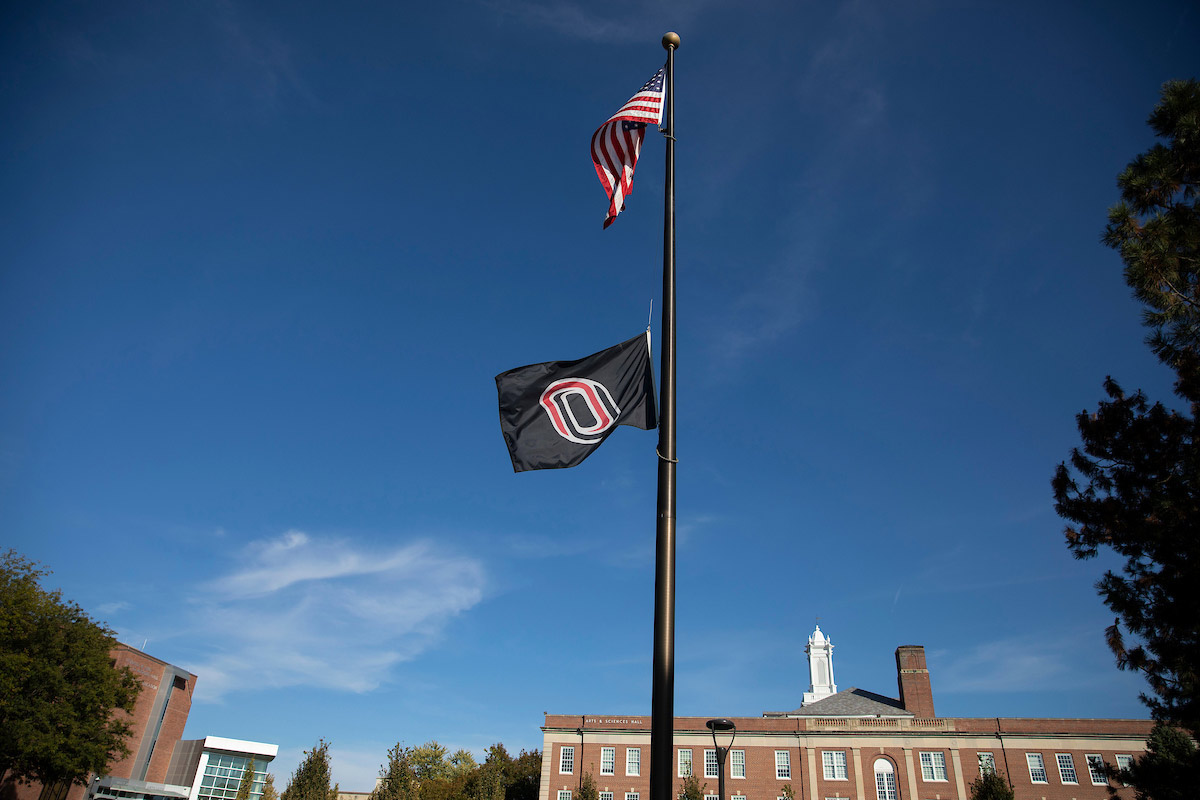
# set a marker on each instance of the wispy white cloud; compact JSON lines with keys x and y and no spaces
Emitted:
{"x":536,"y":545}
{"x":770,"y":309}
{"x":599,"y":23}
{"x":847,"y":98}
{"x":354,"y":767}
{"x":1016,"y":664}
{"x":324,"y":612}
{"x":113,"y":607}
{"x":692,"y":524}
{"x":264,"y":58}
{"x":570,"y":19}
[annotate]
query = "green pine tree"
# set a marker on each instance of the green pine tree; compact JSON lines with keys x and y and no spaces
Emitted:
{"x":1134,"y":485}
{"x":990,"y":786}
{"x":1166,"y":771}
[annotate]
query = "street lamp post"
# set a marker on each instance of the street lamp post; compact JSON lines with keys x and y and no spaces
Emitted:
{"x":724,"y":726}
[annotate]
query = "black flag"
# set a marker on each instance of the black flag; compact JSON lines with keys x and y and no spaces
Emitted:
{"x":554,"y":414}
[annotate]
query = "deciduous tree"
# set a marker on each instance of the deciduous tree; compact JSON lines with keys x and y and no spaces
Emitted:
{"x":311,"y":780}
{"x":462,"y":763}
{"x":692,"y":789}
{"x":429,"y":761}
{"x":59,"y":690}
{"x":396,"y":778}
{"x":247,"y":782}
{"x":524,"y":776}
{"x":587,"y":788}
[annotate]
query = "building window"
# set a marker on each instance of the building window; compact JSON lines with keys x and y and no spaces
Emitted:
{"x":737,"y":763}
{"x":885,"y":779}
{"x":1066,"y":768}
{"x":783,"y":765}
{"x":608,"y":760}
{"x":987,"y":764}
{"x":631,"y":796}
{"x":710,"y":764}
{"x":223,"y":775}
{"x":933,"y":766}
{"x":685,"y":763}
{"x":566,"y":761}
{"x":1124,"y":763}
{"x":633,"y":762}
{"x":564,"y":794}
{"x":712,"y":797}
{"x":606,"y":796}
{"x":834,"y":762}
{"x":1037,"y":767}
{"x":1096,"y":769}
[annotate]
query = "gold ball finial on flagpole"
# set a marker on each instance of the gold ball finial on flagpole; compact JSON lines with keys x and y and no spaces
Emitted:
{"x":670,"y":40}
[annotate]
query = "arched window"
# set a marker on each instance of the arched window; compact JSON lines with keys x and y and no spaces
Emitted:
{"x":885,"y":780}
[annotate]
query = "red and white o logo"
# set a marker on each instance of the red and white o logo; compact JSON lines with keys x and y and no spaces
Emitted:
{"x":563,"y":398}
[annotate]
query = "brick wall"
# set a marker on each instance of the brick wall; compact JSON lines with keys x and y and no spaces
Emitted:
{"x":954,"y":746}
{"x":916,"y":692}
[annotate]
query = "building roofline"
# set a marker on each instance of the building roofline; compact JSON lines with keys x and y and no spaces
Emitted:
{"x":122,"y":646}
{"x":241,"y":746}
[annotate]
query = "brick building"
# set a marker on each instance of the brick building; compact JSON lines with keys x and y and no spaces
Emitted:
{"x":847,"y":744}
{"x":160,"y":766}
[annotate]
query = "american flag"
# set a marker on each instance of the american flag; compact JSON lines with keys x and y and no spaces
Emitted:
{"x":616,"y":144}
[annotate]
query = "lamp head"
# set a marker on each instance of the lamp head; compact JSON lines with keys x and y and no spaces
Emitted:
{"x":724,"y":727}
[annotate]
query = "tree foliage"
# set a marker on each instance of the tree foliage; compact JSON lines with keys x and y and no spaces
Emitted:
{"x":269,"y":792}
{"x":990,"y":786}
{"x":58,"y":686}
{"x":397,"y":781}
{"x":430,"y":762}
{"x":311,"y":780}
{"x":491,"y":780}
{"x":587,"y":788}
{"x":462,"y":763}
{"x":427,"y":772}
{"x":1167,"y":771}
{"x":247,"y":783}
{"x":524,"y":776}
{"x":1134,"y":484}
{"x":1156,"y":229}
{"x":692,"y":789}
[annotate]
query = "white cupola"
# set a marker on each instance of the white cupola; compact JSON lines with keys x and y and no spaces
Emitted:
{"x":820,"y":668}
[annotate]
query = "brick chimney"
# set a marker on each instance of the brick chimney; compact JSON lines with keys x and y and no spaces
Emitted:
{"x":916,"y":694}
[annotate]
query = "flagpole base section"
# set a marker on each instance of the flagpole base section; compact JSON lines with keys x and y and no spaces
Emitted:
{"x":671,"y":40}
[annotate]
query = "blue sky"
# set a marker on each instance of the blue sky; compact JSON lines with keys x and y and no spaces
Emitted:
{"x":261,"y":261}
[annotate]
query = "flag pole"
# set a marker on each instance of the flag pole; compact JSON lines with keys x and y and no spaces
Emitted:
{"x":662,"y":701}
